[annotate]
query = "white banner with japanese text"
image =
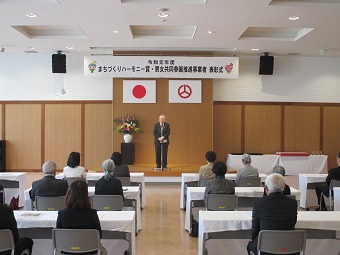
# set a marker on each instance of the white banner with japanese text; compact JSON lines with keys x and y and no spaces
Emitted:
{"x":161,"y":67}
{"x":185,"y":91}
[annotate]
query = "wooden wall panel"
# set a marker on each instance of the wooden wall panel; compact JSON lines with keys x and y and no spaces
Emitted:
{"x":227,"y":130}
{"x":1,"y":122}
{"x":301,"y":128}
{"x":262,"y":128}
{"x":62,"y":132}
{"x":23,"y":135}
{"x":189,"y":123}
{"x":331,"y":134}
{"x":98,"y":134}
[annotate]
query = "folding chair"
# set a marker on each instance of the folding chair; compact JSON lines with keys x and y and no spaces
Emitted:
{"x":70,"y":180}
{"x":202,"y":182}
{"x":7,"y":241}
{"x":107,"y":202}
{"x":91,"y":183}
{"x":282,"y":241}
{"x":124,"y":180}
{"x":49,"y":203}
{"x":186,"y":185}
{"x":334,"y":183}
{"x":76,"y":241}
{"x":221,"y":202}
{"x":8,"y":184}
{"x":250,"y":182}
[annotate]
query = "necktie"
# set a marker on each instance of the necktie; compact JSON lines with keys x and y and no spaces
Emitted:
{"x":162,"y":125}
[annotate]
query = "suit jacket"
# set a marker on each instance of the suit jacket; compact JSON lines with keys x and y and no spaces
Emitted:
{"x":7,"y":221}
{"x":333,"y":173}
{"x":121,"y":171}
{"x":79,"y":219}
{"x":110,"y":187}
{"x":157,"y":132}
{"x":206,"y":171}
{"x":48,"y":187}
{"x":273,"y":212}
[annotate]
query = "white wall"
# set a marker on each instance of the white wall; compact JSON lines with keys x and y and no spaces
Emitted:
{"x":295,"y":79}
{"x":30,"y":77}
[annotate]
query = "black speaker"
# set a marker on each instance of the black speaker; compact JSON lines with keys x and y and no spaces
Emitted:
{"x":59,"y":63}
{"x":2,"y":155}
{"x":266,"y":65}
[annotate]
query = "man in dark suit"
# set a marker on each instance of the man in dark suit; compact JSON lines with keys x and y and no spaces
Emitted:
{"x":333,"y":173}
{"x":272,"y":212}
{"x":7,"y":221}
{"x":161,"y":132}
{"x":49,"y":186}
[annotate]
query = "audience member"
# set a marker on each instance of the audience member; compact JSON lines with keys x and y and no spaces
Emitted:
{"x":48,"y":186}
{"x":272,"y":212}
{"x":247,"y":170}
{"x":282,"y":171}
{"x":206,"y":170}
{"x":219,"y":185}
{"x":121,"y":170}
{"x":78,"y":213}
{"x":108,"y":185}
{"x":7,"y":221}
{"x":73,"y":169}
{"x":333,"y":173}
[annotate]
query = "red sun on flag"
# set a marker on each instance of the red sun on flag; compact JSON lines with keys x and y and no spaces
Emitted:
{"x":139,"y":91}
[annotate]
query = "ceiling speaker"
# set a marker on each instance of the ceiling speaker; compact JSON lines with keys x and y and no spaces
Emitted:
{"x":59,"y":63}
{"x":266,"y":65}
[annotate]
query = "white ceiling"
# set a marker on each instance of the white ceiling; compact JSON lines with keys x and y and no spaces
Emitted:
{"x":237,"y":26}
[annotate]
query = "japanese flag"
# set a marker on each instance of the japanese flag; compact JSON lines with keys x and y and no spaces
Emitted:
{"x":143,"y":91}
{"x":185,"y":91}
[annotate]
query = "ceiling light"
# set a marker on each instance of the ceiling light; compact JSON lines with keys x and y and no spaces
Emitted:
{"x":31,"y":48}
{"x":294,"y":17}
{"x":70,"y":47}
{"x":163,"y":9}
{"x":210,"y":32}
{"x":115,"y":31}
{"x":163,"y":15}
{"x":31,"y":15}
{"x":254,"y":49}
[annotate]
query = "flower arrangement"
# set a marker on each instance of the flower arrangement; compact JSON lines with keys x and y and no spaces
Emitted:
{"x":127,"y":125}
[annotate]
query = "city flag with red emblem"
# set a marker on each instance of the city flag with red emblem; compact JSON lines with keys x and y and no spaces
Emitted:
{"x":143,"y":91}
{"x":185,"y":91}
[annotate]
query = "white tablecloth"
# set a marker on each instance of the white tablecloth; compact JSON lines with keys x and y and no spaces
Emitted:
{"x":336,"y":191}
{"x":129,"y":193}
{"x":264,"y":163}
{"x":123,"y":221}
{"x":188,"y":177}
{"x":304,"y":179}
{"x":134,"y":177}
{"x":313,"y":164}
{"x":197,"y":193}
{"x":9,"y":193}
{"x":217,"y":221}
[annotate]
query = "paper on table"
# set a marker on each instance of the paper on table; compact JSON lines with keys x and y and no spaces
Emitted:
{"x":29,"y":216}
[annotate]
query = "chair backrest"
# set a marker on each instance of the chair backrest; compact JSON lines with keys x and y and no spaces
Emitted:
{"x":73,"y":179}
{"x":91,"y":183}
{"x":49,"y":203}
{"x":9,"y":184}
{"x":76,"y":240}
{"x":124,"y":180}
{"x":282,"y":241}
{"x":107,"y":202}
{"x":221,"y":202}
{"x":7,"y":241}
{"x":250,"y":182}
{"x":191,"y":184}
{"x":202,"y":182}
{"x":334,"y":183}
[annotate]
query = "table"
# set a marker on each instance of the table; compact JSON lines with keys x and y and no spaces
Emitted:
{"x":17,"y":191}
{"x":308,"y":182}
{"x":336,"y":191}
{"x":246,"y":193}
{"x":238,"y":226}
{"x":131,"y":192}
{"x":188,"y":177}
{"x":39,"y":225}
{"x":134,"y":177}
{"x":264,"y":163}
{"x":314,"y":164}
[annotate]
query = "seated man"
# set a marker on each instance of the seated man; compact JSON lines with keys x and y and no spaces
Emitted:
{"x":247,"y":170}
{"x":282,"y":171}
{"x":49,"y":186}
{"x":206,"y":170}
{"x":272,"y":212}
{"x":333,"y":173}
{"x":7,"y":221}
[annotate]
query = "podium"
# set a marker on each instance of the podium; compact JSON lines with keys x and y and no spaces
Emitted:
{"x":128,"y":153}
